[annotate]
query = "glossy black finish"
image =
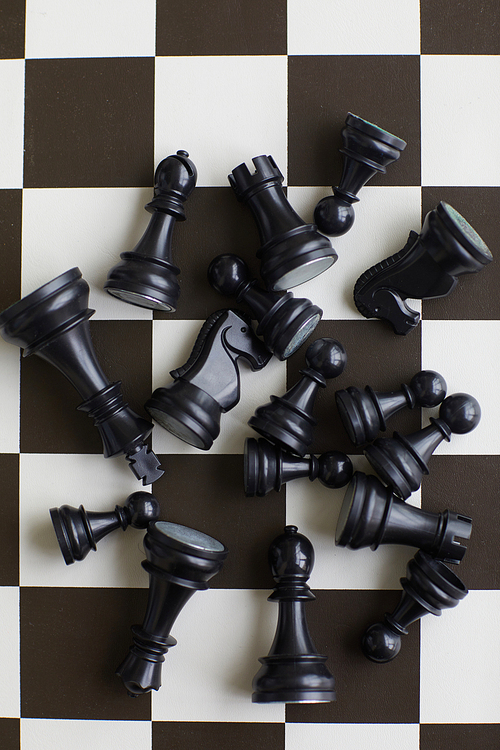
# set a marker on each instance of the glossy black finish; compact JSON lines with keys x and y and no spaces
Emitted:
{"x":367,"y":149}
{"x":292,"y":251}
{"x":284,"y":322}
{"x":427,"y":267}
{"x":364,"y":413}
{"x":146,"y":276}
{"x":52,"y":322}
{"x":209,"y":383}
{"x":180,"y":561}
{"x":267,"y":467}
{"x":287,"y":420}
{"x":293,"y":671}
{"x":372,"y":515}
{"x":401,"y":461}
{"x":429,"y":587}
{"x":78,"y":530}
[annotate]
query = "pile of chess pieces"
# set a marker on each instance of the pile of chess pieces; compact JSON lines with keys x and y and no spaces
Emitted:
{"x":52,"y":323}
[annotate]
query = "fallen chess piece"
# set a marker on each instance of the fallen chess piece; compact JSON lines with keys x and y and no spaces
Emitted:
{"x":426,"y":268}
{"x":367,"y":150}
{"x":78,"y":531}
{"x":146,"y":276}
{"x":179,"y":561}
{"x":52,"y":322}
{"x":293,"y":671}
{"x":428,"y":588}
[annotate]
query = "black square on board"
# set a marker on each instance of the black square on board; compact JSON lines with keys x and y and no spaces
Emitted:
{"x":455,"y":736}
{"x":10,"y":246}
{"x":464,"y":28}
{"x":211,"y":735}
{"x":9,"y":530}
{"x":10,"y":734}
{"x":12,"y":15}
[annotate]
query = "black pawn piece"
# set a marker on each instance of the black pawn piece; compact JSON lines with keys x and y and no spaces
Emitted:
{"x":287,"y":420}
{"x":364,"y":413}
{"x":284,"y":322}
{"x":426,"y":268}
{"x":78,"y":530}
{"x":293,"y":671}
{"x":52,"y":322}
{"x":367,"y":150}
{"x":180,"y":561}
{"x":146,"y":276}
{"x":292,"y":251}
{"x":401,"y":461}
{"x":429,"y":587}
{"x":267,"y":467}
{"x":372,"y":515}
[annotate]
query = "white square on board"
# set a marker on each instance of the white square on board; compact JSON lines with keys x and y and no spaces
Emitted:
{"x":12,"y":123}
{"x":352,"y":736}
{"x":74,"y":733}
{"x":9,"y":627}
{"x":9,"y":398}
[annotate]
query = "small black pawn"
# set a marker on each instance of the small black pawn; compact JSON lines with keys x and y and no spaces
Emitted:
{"x":146,"y":276}
{"x":267,"y":467}
{"x":426,"y":268}
{"x":364,"y":413}
{"x":401,"y":461}
{"x":78,"y":530}
{"x":372,"y":515}
{"x":284,"y":322}
{"x":287,"y":420}
{"x":180,"y":561}
{"x":292,"y":251}
{"x":429,"y":587}
{"x":293,"y":671}
{"x":52,"y":322}
{"x":367,"y":150}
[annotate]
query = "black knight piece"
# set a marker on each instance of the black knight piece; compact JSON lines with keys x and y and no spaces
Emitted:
{"x":426,"y":268}
{"x":146,"y":276}
{"x":52,"y":322}
{"x":292,"y":251}
{"x":78,"y":531}
{"x":367,"y":150}
{"x":209,"y":383}
{"x":179,"y":561}
{"x":293,"y":671}
{"x":284,"y":322}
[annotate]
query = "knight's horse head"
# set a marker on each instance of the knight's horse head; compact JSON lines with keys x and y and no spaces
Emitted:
{"x":240,"y":340}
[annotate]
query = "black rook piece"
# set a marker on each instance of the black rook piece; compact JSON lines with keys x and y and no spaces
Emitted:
{"x":209,"y":383}
{"x":146,"y":276}
{"x":267,"y":467}
{"x":78,"y":530}
{"x":364,"y":413}
{"x":367,"y":150}
{"x":287,"y":420}
{"x":401,"y":461}
{"x":427,"y":267}
{"x":293,"y":671}
{"x":292,"y":251}
{"x":52,"y":323}
{"x":284,"y":322}
{"x":371,"y":515}
{"x":429,"y":587}
{"x":180,"y":561}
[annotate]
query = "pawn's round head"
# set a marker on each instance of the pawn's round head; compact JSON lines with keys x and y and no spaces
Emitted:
{"x":335,"y":469}
{"x":226,"y":273}
{"x":461,"y":413}
{"x":429,"y":388}
{"x":143,"y":508}
{"x":380,"y":644}
{"x":333,"y":217}
{"x":327,"y":356}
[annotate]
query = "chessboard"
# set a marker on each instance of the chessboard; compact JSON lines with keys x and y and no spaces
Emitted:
{"x":94,"y":95}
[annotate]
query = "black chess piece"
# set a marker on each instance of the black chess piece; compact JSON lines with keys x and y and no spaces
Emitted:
{"x":179,"y":561}
{"x":268,"y":467}
{"x":401,"y":461}
{"x":426,"y":268}
{"x":372,"y":515}
{"x":287,"y":420}
{"x":364,"y":413}
{"x":367,"y":149}
{"x":146,"y":276}
{"x":292,"y":251}
{"x":209,"y":383}
{"x":78,"y":531}
{"x":284,"y":322}
{"x":293,"y":671}
{"x":429,"y":587}
{"x":52,"y":322}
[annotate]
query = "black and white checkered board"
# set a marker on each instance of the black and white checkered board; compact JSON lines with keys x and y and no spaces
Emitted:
{"x":92,"y":98}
